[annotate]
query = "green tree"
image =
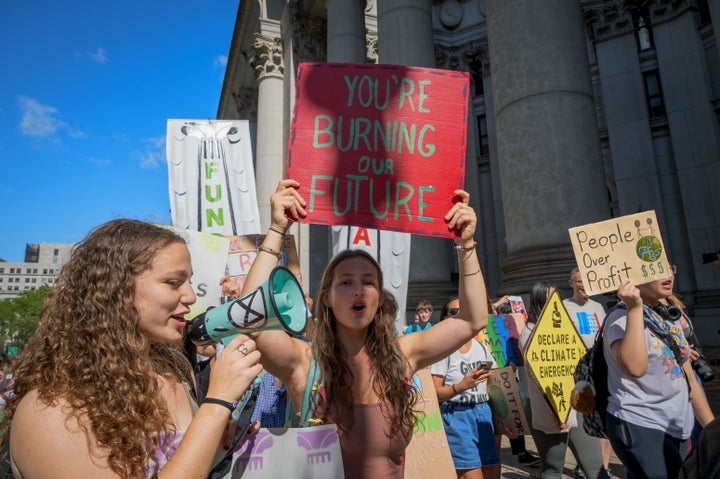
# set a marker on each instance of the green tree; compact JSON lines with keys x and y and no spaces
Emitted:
{"x":19,"y":316}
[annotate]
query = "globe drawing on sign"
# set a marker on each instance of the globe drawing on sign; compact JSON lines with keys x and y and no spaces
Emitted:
{"x":649,"y":247}
{"x":497,"y":401}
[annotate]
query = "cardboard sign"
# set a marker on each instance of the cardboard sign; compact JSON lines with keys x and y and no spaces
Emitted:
{"x":243,"y":250}
{"x":506,"y":402}
{"x":503,"y":335}
{"x":625,"y":248}
{"x":552,"y":353}
{"x":428,"y":454}
{"x":208,"y":256}
{"x":379,"y":146}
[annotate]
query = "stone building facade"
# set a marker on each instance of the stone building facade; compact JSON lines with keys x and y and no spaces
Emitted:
{"x":583,"y":110}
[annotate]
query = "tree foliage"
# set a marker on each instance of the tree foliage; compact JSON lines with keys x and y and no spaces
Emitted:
{"x":19,"y":316}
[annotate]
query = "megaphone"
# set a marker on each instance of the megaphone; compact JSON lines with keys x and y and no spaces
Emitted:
{"x":278,"y":303}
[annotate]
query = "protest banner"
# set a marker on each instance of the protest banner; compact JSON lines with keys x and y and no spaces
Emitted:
{"x":428,"y":454}
{"x":620,"y":249}
{"x":208,"y":257}
{"x":379,"y":146}
{"x":502,"y":335}
{"x":552,"y":353}
{"x":211,"y":176}
{"x":243,"y":250}
{"x":506,"y":402}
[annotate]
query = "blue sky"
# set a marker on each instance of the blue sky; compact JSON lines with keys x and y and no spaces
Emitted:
{"x":86,"y":90}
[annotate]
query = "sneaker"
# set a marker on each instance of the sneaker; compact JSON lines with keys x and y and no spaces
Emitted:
{"x":528,"y":459}
{"x":578,"y":473}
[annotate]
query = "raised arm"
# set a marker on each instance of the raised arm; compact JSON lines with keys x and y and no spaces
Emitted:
{"x":281,"y":354}
{"x":444,"y":338}
{"x":631,"y":351}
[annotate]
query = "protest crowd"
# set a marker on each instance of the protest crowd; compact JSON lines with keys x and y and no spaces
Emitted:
{"x":189,"y":404}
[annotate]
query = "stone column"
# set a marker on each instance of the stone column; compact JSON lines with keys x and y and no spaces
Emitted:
{"x":267,"y":61}
{"x":549,"y":153}
{"x":405,"y":37}
{"x":346,"y":31}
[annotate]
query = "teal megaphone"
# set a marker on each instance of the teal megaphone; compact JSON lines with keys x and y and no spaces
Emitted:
{"x":278,"y":303}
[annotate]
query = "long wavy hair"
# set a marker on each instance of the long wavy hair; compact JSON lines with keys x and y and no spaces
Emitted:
{"x":388,"y":367}
{"x":90,"y":353}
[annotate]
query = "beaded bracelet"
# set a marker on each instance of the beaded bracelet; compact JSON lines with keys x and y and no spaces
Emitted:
{"x":466,"y":248}
{"x":230,"y":405}
{"x":271,"y":251}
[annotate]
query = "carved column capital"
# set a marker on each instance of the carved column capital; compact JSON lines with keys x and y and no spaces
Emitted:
{"x":371,"y":46}
{"x":608,"y":20}
{"x":472,"y":57}
{"x":267,"y":57}
{"x":245,"y":102}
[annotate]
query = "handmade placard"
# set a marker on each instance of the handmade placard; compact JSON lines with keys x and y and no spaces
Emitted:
{"x":625,"y":248}
{"x":552,"y":354}
{"x":379,"y":146}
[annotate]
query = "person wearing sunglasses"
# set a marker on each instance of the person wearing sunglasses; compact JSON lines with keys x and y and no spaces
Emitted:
{"x":461,"y":386}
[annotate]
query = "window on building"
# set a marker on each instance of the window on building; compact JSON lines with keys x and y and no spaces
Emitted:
{"x":653,"y":92}
{"x":643,"y":29}
{"x":483,"y":148}
{"x":35,"y":270}
{"x":477,"y":80}
{"x":56,"y":253}
{"x":45,"y":271}
{"x":2,"y":270}
{"x":704,"y":12}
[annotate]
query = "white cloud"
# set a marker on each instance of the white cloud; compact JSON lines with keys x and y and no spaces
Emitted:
{"x":220,"y":61}
{"x":98,"y":56}
{"x":154,"y":155}
{"x":41,"y":121}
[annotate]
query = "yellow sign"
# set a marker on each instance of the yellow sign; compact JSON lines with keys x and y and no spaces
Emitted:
{"x":620,"y":249}
{"x":552,"y":353}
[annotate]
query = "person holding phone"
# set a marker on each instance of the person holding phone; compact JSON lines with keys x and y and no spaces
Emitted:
{"x":461,"y":384}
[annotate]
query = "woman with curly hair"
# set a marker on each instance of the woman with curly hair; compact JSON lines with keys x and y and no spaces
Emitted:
{"x":102,"y":389}
{"x":365,"y":368}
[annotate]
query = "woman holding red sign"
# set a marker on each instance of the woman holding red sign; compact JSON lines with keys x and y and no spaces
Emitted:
{"x":364,"y":367}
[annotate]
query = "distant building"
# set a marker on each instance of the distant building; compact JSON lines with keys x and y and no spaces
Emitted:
{"x":42,"y":265}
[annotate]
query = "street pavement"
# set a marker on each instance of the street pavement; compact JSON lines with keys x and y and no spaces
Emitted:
{"x":512,"y":470}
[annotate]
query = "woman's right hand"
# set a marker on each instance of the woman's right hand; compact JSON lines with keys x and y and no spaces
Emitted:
{"x":234,"y":369}
{"x":286,"y":205}
{"x":630,"y":295}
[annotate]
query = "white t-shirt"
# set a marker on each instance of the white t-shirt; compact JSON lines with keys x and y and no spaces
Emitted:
{"x":587,"y":318}
{"x":453,"y":370}
{"x":659,"y":399}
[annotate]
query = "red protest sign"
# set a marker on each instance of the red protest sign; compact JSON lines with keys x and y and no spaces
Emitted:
{"x":380,"y":146}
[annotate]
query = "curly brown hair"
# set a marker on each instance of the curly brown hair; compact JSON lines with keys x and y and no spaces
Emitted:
{"x":90,"y":352}
{"x":389,"y":368}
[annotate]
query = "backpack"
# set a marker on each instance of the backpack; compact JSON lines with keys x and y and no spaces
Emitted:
{"x":591,"y":393}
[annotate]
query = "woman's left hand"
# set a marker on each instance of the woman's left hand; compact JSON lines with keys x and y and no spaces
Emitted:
{"x":462,"y":217}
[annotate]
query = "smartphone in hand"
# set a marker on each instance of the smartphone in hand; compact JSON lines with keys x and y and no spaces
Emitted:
{"x":485,"y":365}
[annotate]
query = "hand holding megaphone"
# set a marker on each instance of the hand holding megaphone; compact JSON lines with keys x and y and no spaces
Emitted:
{"x":278,"y":303}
